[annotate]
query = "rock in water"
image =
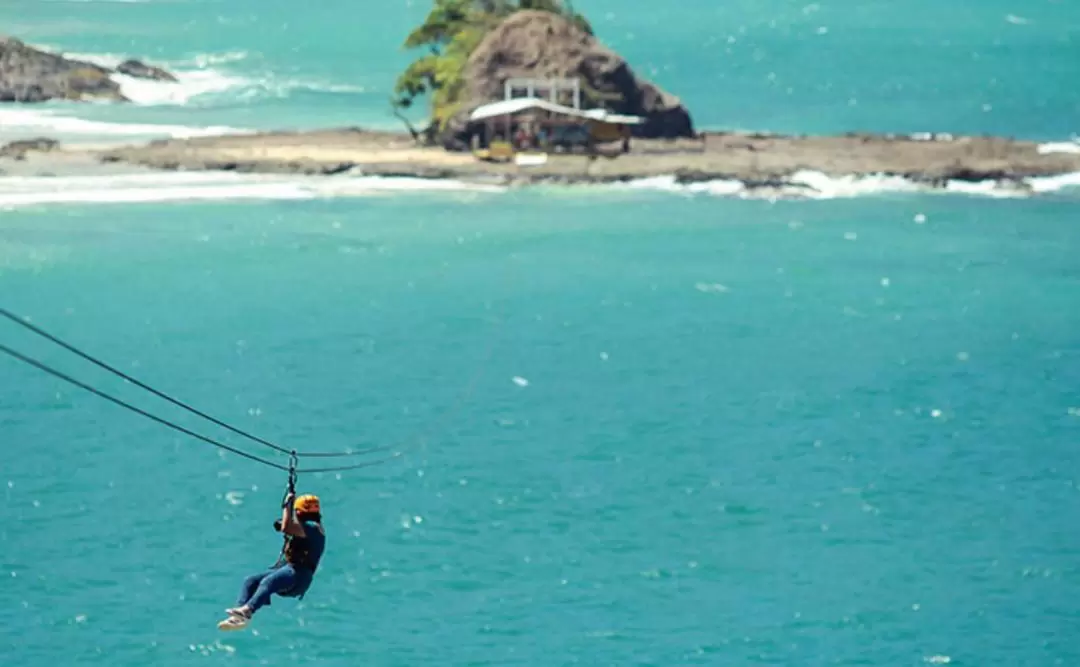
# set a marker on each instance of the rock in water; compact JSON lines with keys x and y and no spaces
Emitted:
{"x":17,"y":150}
{"x":141,"y":70}
{"x":30,"y":75}
{"x":537,"y":44}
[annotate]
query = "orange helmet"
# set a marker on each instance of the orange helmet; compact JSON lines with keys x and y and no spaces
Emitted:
{"x":308,"y":504}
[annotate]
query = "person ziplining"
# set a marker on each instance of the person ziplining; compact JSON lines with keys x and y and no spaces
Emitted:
{"x":292,"y":575}
{"x":301,"y":519}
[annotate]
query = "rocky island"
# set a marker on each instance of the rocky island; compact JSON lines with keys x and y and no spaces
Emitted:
{"x":470,"y":50}
{"x":32,"y":75}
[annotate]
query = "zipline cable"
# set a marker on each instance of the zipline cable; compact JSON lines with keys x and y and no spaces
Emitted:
{"x":101,"y":364}
{"x":291,"y":468}
{"x":293,"y":454}
{"x":67,"y":378}
{"x":355,"y":466}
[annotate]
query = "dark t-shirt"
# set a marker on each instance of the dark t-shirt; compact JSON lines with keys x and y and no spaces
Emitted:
{"x":313,"y":543}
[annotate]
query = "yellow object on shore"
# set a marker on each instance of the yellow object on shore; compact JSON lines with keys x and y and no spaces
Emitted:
{"x":499,"y":151}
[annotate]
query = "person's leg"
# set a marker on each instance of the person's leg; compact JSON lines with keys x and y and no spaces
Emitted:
{"x":277,"y":582}
{"x":283,"y":581}
{"x":251,"y":584}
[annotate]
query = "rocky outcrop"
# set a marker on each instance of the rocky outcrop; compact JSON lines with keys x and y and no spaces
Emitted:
{"x":771,"y":164}
{"x":17,"y":150}
{"x":538,"y":44}
{"x":141,"y":70}
{"x":32,"y":75}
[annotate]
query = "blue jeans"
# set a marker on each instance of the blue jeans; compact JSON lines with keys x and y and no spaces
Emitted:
{"x":285,"y":581}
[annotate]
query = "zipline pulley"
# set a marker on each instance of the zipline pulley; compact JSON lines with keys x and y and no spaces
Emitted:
{"x":290,"y":490}
{"x":290,"y":496}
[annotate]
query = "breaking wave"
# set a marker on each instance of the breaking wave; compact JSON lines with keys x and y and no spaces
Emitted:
{"x":52,"y":122}
{"x":19,"y":192}
{"x":205,"y":79}
{"x":817,"y":185}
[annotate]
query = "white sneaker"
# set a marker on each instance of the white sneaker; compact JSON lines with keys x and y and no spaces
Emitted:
{"x":234,"y":622}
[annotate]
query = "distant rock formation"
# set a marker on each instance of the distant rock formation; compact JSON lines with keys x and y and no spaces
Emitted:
{"x":17,"y":150}
{"x":141,"y":70}
{"x":32,"y":75}
{"x":537,"y":44}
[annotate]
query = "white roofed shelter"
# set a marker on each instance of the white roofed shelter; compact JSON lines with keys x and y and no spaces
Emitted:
{"x":547,"y":119}
{"x":521,"y":104}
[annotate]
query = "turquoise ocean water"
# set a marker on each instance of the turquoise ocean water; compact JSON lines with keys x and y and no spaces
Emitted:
{"x":639,"y":425}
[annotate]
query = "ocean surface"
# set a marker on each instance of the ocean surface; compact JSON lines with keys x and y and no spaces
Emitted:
{"x":637,"y":425}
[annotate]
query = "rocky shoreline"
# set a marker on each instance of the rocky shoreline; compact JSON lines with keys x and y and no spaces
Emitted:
{"x":756,"y":160}
{"x":30,"y":75}
{"x":526,"y":43}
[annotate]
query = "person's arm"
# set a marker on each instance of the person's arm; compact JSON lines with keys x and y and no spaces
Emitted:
{"x":289,"y":524}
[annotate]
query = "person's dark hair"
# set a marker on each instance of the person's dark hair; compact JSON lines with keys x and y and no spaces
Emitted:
{"x":309,"y":516}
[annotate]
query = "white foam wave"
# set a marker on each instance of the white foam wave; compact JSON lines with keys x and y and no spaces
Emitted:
{"x":188,"y":86}
{"x":17,"y":192}
{"x":670,"y":184}
{"x":1061,"y":147}
{"x":199,"y":82}
{"x":272,"y":88}
{"x":987,"y":189}
{"x":50,"y":122}
{"x":197,"y":78}
{"x":203,"y":60}
{"x":1055,"y":183}
{"x":197,"y":61}
{"x":817,"y":185}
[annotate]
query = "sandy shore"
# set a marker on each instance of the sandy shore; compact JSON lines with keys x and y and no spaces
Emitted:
{"x":754,"y":159}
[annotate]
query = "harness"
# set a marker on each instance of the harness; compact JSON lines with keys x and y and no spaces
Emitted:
{"x":294,"y":550}
{"x":296,"y":553}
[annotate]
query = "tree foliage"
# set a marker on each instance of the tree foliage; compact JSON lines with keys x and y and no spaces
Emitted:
{"x":449,"y":34}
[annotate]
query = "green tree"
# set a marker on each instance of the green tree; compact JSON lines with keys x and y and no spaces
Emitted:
{"x":449,"y":34}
